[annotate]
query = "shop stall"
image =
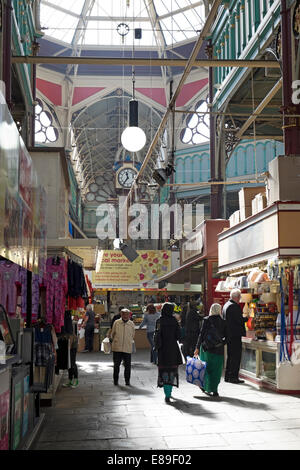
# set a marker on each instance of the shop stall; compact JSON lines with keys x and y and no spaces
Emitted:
{"x":22,"y":264}
{"x":129,"y":284}
{"x":261,"y":256}
{"x":108,"y":301}
{"x":198,"y":274}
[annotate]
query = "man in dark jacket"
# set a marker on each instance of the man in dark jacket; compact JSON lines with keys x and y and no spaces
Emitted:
{"x":235,"y":329}
{"x":192,"y":325}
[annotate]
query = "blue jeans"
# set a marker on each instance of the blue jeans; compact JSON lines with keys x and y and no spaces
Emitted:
{"x":153,"y":353}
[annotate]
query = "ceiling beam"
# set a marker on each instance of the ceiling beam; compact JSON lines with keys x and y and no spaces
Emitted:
{"x":142,"y":62}
{"x":259,"y":108}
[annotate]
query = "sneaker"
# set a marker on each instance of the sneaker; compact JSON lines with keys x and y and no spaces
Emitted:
{"x":85,"y":351}
{"x":68,"y":384}
{"x":75,"y":384}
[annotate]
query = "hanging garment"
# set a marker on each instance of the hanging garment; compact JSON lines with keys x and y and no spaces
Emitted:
{"x":22,"y":283}
{"x":9,"y":276}
{"x":37,"y":283}
{"x":56,"y":289}
{"x":43,"y":344}
{"x":63,"y":361}
{"x":76,"y":280}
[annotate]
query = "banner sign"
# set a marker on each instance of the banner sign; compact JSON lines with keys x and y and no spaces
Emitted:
{"x":116,"y":270}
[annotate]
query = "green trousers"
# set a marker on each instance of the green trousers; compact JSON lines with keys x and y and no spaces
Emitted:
{"x":168,"y":390}
{"x":214,"y":368}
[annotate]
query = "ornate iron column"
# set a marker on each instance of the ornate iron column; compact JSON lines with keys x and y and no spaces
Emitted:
{"x":215,"y":189}
{"x":291,"y":125}
{"x":35,"y":50}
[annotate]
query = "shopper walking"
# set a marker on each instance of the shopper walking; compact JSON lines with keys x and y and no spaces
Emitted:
{"x":235,"y":329}
{"x":89,"y":325}
{"x":167,"y":333}
{"x":211,"y":345}
{"x":150,"y":318}
{"x":193,"y":322}
{"x":122,"y":336}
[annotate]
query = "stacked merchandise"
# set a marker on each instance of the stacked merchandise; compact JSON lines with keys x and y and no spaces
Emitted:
{"x":265,"y":320}
{"x":137,"y":313}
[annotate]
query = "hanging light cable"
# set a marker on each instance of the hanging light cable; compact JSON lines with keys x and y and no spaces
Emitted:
{"x":133,"y":137}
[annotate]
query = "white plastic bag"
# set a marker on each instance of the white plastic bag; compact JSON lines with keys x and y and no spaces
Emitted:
{"x":106,"y":346}
{"x":81,"y":333}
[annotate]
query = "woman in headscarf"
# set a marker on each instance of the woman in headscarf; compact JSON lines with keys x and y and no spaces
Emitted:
{"x":211,"y":345}
{"x":169,"y":356}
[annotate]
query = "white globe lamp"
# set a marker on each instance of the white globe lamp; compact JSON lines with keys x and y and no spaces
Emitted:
{"x":133,"y":138}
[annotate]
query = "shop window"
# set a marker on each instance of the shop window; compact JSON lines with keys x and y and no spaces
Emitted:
{"x":196,"y":130}
{"x":268,"y":365}
{"x":248,"y":362}
{"x":45,"y":132}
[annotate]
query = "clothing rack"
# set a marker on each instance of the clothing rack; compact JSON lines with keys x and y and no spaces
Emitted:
{"x":64,"y":253}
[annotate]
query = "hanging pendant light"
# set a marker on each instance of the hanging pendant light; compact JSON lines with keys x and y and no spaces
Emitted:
{"x":133,"y":138}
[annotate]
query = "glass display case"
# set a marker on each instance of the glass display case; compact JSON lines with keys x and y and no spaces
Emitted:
{"x":259,"y":361}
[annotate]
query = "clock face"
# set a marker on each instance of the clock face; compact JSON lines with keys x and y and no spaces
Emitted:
{"x":126,"y":177}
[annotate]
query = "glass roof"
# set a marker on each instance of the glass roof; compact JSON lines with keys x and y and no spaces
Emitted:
{"x":113,"y":23}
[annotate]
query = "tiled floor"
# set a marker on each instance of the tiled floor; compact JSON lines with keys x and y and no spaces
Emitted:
{"x":98,"y":415}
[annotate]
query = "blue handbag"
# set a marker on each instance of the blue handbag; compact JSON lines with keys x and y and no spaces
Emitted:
{"x":195,"y":371}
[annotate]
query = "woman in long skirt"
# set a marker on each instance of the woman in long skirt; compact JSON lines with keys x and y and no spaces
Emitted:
{"x":212,"y":355}
{"x":169,"y":357}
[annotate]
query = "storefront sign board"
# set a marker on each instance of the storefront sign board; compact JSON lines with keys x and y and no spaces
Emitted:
{"x":117,"y":271}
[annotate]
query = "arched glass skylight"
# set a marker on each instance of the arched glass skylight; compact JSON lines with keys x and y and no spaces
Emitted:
{"x":96,"y":21}
{"x":197,"y":125}
{"x":45,"y":132}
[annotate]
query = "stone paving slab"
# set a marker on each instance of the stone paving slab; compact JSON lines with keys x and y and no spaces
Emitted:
{"x":100,"y":416}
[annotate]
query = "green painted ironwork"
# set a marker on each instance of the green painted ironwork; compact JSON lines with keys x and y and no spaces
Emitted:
{"x":241,"y":29}
{"x":23,"y":35}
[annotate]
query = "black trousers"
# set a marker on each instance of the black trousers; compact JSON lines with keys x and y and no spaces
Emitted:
{"x":89,"y":338}
{"x":73,"y":371}
{"x":117,"y":358}
{"x":234,"y":355}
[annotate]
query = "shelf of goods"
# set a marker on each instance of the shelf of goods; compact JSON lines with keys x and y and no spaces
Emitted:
{"x":137,"y":313}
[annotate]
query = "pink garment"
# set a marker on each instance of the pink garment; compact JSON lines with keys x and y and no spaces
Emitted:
{"x":23,"y":282}
{"x":56,"y":280}
{"x":9,"y":275}
{"x":37,"y":282}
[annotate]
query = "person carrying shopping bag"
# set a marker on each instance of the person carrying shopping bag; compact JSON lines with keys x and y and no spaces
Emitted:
{"x":166,"y":337}
{"x":122,"y":335}
{"x":211,"y":346}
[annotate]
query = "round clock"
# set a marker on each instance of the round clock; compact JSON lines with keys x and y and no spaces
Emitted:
{"x":126,"y":177}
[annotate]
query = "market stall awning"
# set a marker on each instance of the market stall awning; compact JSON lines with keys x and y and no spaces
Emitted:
{"x":178,"y":275}
{"x":84,"y":248}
